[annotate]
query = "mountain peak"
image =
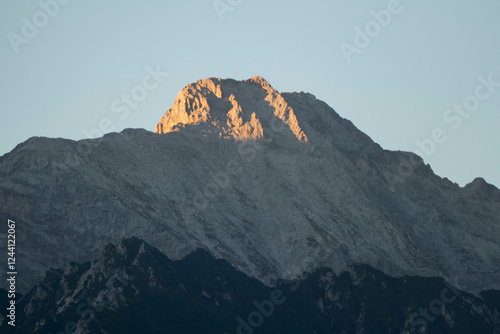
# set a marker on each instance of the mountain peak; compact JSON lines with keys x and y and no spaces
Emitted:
{"x":232,"y":109}
{"x":483,"y":189}
{"x":260,"y":80}
{"x":313,"y":190}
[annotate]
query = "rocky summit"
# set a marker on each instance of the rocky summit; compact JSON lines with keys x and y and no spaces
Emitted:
{"x":275,"y":183}
{"x":253,"y":110}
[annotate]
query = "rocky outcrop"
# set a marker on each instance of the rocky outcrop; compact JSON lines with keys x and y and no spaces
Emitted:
{"x":245,"y":110}
{"x":131,"y":287}
{"x":276,"y":183}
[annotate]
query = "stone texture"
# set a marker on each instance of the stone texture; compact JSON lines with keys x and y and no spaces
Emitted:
{"x":131,"y":287}
{"x":276,"y":183}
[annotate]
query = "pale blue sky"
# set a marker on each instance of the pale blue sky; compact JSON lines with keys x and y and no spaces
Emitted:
{"x":397,"y":89}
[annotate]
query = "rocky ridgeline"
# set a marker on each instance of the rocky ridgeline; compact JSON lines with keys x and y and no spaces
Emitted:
{"x":275,"y":183}
{"x":131,"y":287}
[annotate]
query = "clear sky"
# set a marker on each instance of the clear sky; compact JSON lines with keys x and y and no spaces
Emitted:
{"x":400,"y":71}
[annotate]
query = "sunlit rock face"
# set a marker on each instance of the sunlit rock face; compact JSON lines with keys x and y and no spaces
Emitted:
{"x":276,"y":183}
{"x":242,"y":110}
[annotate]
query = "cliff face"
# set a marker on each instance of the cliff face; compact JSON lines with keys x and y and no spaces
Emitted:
{"x":246,"y":110}
{"x":276,"y":183}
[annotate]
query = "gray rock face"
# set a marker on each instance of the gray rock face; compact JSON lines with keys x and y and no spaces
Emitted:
{"x":276,"y":183}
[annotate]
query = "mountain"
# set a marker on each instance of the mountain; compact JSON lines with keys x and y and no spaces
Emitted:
{"x":131,"y":287}
{"x":275,"y":183}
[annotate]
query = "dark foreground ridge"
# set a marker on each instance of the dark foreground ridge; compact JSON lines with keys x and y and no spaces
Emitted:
{"x":131,"y":287}
{"x":275,"y":183}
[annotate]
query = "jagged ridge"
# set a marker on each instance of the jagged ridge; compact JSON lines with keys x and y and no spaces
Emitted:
{"x":231,"y":109}
{"x":131,"y":287}
{"x":273,"y":206}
